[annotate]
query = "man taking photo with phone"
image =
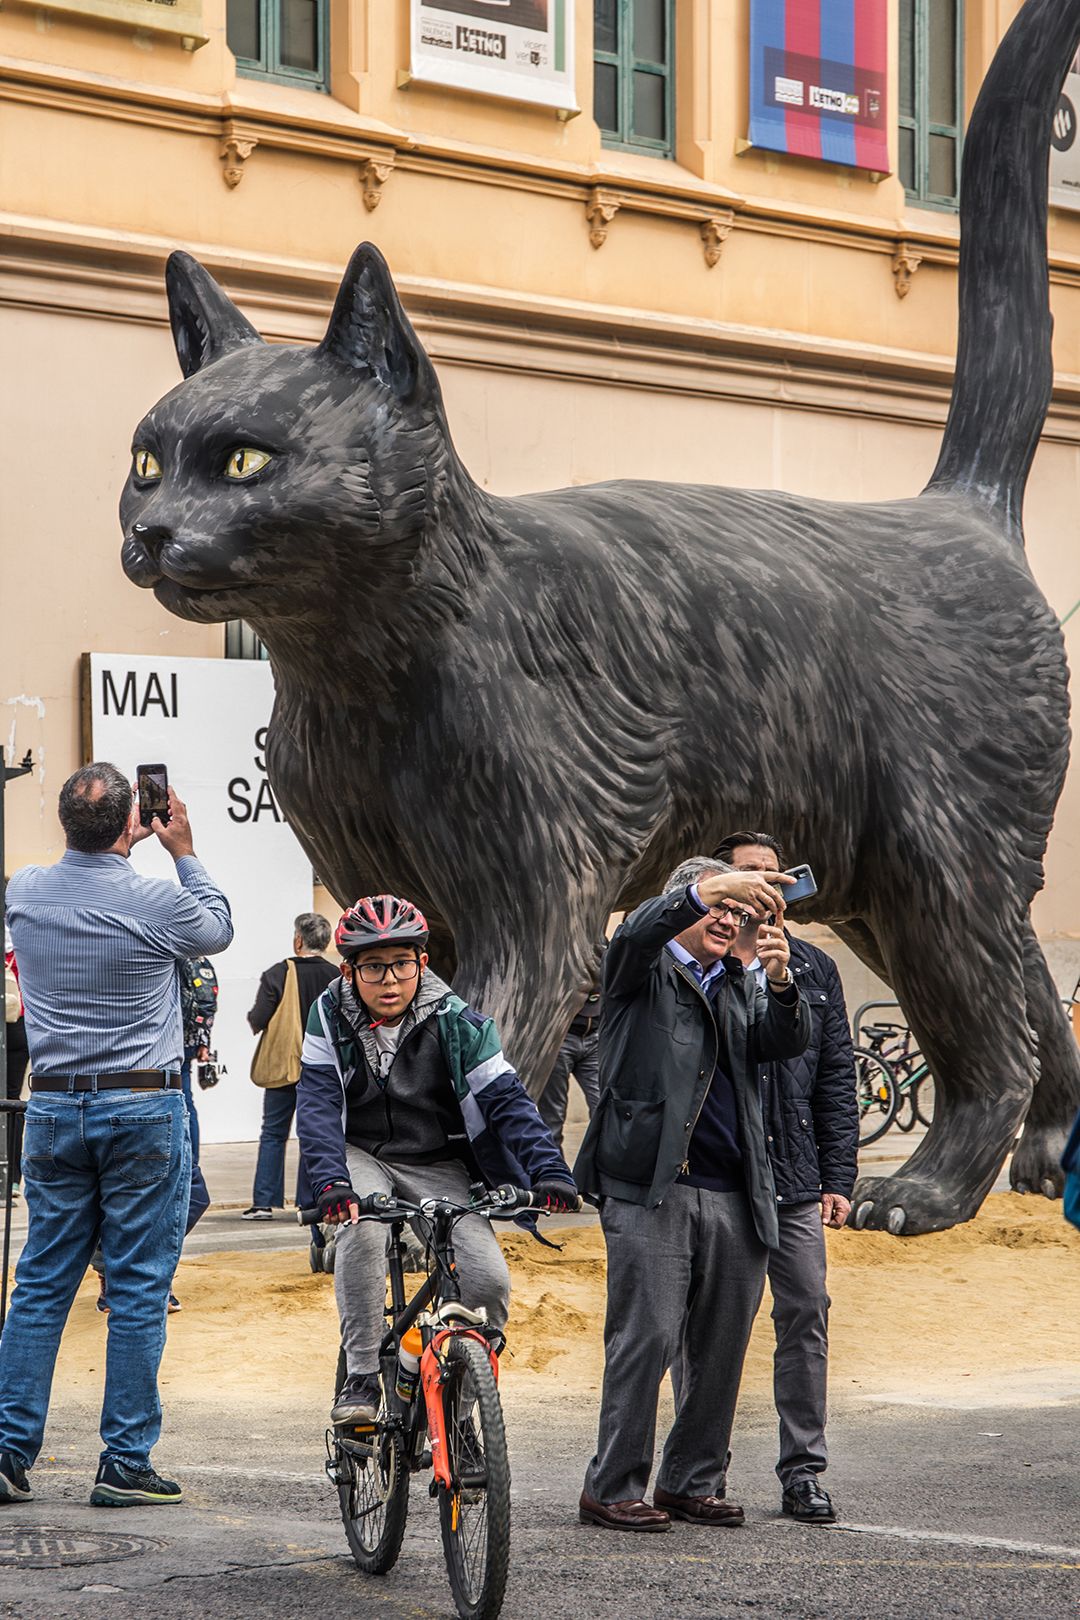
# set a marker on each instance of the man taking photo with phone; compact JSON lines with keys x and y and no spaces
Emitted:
{"x":676,"y":1158}
{"x":106,"y":1148}
{"x":812,"y":1127}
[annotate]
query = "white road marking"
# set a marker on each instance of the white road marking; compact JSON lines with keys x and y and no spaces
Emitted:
{"x":1038,"y":1549}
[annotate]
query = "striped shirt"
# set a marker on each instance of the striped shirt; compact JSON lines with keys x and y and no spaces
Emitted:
{"x":98,"y":947}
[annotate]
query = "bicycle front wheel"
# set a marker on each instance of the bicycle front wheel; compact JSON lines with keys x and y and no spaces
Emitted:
{"x":475,"y":1512}
{"x":876,"y":1094}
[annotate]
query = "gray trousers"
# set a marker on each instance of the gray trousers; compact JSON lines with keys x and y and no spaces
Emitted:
{"x":360,"y":1258}
{"x":578,"y":1056}
{"x":800,"y":1366}
{"x":684,"y":1284}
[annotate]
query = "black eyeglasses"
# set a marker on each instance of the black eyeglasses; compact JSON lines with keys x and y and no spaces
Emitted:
{"x":375,"y":972}
{"x":736,"y":913}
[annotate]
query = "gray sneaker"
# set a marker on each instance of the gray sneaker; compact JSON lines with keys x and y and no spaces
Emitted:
{"x":358,"y":1400}
{"x":14,"y":1485}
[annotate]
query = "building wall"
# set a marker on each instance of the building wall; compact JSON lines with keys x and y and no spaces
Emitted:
{"x":571,"y":346}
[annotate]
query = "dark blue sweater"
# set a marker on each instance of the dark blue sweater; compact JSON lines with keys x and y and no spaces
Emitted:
{"x":714,"y":1157}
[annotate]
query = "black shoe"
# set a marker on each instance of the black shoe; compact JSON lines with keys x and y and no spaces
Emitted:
{"x":807,"y":1503}
{"x":257,"y":1212}
{"x":358,"y":1400}
{"x":118,"y":1484}
{"x":14,"y":1485}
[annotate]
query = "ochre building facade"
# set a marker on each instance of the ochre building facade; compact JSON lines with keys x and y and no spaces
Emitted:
{"x":657,"y":301}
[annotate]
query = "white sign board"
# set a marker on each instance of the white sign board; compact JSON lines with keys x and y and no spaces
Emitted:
{"x":1064,"y":145}
{"x":522,"y":50}
{"x":205,"y":719}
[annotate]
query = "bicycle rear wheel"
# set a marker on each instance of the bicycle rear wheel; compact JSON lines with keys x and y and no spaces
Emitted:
{"x":475,"y":1513}
{"x":923,"y":1099}
{"x":373,"y":1492}
{"x":876,"y":1094}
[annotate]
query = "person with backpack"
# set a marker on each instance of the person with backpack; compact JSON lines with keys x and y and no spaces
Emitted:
{"x":285,"y":997}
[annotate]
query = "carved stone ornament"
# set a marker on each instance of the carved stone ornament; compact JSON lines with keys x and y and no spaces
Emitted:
{"x":235,"y":151}
{"x":714,"y":233}
{"x":905,"y":263}
{"x":374,"y":173}
{"x":600,"y":209}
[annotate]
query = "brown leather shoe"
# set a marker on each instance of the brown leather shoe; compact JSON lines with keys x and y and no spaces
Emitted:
{"x":622,"y":1515}
{"x":712,"y":1510}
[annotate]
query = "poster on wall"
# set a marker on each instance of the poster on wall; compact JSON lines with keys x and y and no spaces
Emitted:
{"x":1064,"y":147}
{"x":818,"y":80}
{"x":206,"y":719}
{"x":522,"y":50}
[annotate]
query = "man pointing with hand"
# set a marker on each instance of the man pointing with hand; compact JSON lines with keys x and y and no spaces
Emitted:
{"x":676,"y":1158}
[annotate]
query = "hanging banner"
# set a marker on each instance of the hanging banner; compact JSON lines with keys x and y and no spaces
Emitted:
{"x":817,"y":80}
{"x":205,"y":719}
{"x":1064,"y":147}
{"x":522,"y":50}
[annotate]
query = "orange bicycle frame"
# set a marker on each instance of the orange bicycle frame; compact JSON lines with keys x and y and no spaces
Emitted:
{"x":433,"y":1377}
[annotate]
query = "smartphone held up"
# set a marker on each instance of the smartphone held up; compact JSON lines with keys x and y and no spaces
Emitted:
{"x":152,"y":785}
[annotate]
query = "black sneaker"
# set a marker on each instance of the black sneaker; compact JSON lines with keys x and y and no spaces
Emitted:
{"x":118,"y":1484}
{"x":14,"y":1485}
{"x":257,"y":1212}
{"x":358,"y":1400}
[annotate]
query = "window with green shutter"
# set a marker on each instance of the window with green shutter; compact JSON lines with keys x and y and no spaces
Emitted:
{"x":634,"y":74}
{"x":931,"y":100}
{"x":283,"y":40}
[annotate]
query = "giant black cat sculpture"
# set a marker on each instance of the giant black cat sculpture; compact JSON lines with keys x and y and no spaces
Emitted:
{"x":523,"y":712}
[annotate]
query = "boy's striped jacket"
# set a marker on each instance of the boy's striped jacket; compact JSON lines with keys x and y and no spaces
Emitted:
{"x":509,"y":1140}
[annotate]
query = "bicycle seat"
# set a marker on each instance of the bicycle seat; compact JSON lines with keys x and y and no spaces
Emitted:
{"x":882,"y":1032}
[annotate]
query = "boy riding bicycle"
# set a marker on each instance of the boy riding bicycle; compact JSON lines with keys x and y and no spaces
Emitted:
{"x":404,"y":1090}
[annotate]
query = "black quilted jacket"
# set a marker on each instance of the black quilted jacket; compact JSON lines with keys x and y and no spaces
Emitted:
{"x":808,"y":1102}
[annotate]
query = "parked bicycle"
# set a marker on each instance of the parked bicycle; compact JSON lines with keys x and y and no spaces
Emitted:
{"x":889,"y":1045}
{"x":440,"y":1409}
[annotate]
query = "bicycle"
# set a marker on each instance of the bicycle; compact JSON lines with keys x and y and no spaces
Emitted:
{"x":877,"y":1094}
{"x":438,"y":1348}
{"x":894,"y":1043}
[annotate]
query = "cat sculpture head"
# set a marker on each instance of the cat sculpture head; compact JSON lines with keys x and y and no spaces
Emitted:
{"x":276,"y":476}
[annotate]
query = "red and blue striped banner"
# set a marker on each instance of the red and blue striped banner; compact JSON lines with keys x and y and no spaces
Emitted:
{"x":817,"y":80}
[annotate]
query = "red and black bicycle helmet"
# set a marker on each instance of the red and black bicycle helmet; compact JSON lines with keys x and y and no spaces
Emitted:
{"x":380,"y":919}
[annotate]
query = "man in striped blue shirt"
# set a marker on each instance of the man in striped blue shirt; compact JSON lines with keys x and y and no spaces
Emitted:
{"x":107,"y":1150}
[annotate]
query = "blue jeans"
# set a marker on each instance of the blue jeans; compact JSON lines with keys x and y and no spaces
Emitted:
{"x":118,"y":1164}
{"x":279,"y":1106}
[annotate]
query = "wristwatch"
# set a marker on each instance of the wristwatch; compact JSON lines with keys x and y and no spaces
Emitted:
{"x":782,"y":984}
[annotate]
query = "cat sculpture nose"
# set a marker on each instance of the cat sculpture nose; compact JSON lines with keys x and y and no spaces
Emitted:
{"x":152,"y":536}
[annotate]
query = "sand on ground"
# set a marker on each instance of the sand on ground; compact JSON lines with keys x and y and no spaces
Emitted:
{"x":984,"y":1314}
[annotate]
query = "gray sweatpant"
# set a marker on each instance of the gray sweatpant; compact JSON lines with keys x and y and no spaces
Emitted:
{"x":360,"y":1257}
{"x":684,"y":1283}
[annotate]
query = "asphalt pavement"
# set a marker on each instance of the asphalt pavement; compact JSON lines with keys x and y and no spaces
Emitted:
{"x":945,"y":1512}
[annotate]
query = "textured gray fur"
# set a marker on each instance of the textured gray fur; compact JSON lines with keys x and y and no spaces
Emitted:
{"x":522,"y":712}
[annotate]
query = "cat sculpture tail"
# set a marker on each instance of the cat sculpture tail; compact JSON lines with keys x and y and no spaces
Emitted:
{"x":1004,"y":369}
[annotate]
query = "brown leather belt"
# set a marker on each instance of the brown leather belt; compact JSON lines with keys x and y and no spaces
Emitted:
{"x":130,"y":1080}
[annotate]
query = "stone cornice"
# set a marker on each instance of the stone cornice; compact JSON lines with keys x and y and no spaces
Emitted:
{"x":66,"y":269}
{"x":252,"y":119}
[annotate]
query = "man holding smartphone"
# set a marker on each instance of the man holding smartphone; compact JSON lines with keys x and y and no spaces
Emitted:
{"x":676,"y":1158}
{"x":812,"y":1126}
{"x":106,"y":1148}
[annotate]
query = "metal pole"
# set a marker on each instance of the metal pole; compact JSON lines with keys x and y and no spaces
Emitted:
{"x":10,"y":773}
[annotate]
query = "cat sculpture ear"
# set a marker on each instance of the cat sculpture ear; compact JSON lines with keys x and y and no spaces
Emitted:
{"x":370,"y":330}
{"x":206,"y":324}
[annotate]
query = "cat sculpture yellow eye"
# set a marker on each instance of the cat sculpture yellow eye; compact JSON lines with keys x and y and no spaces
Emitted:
{"x":245,"y":462}
{"x":146,"y":464}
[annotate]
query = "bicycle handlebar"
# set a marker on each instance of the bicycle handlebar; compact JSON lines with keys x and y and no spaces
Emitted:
{"x":502,"y":1204}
